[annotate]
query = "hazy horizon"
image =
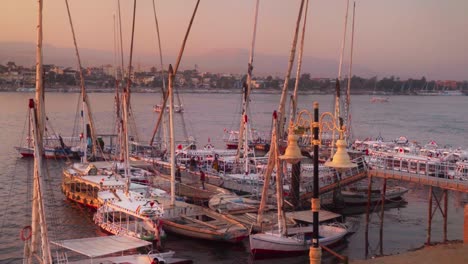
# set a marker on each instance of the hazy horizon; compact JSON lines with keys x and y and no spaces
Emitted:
{"x":400,"y":38}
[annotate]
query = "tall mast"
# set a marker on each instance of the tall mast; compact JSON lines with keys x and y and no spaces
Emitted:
{"x":350,"y":75}
{"x":118,"y":81}
{"x":171,"y":132}
{"x":281,"y":114}
{"x":38,"y":221}
{"x":299,"y":65}
{"x":84,"y":95}
{"x":122,"y":141}
{"x":163,"y":88}
{"x":278,"y":123}
{"x":126,"y":101}
{"x":246,"y":94}
{"x":338,"y":80}
{"x":179,"y":58}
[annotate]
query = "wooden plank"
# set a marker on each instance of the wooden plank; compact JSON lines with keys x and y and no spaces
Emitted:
{"x":306,"y":216}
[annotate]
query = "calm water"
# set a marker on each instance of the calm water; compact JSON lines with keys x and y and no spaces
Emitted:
{"x":421,"y":119}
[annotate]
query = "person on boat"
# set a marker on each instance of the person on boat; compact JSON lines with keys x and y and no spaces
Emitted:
{"x":202,"y":179}
{"x":100,"y":143}
{"x":155,"y":261}
{"x":193,"y":164}
{"x":216,"y":163}
{"x":178,"y":175}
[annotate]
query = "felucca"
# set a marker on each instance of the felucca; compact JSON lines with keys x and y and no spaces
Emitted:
{"x":35,"y":236}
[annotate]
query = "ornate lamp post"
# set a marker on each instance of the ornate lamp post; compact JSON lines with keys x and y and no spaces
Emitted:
{"x":340,"y":162}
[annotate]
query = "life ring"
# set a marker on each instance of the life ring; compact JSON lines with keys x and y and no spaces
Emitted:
{"x":29,"y":234}
{"x":402,"y":150}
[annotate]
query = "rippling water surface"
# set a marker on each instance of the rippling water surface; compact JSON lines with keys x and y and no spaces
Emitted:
{"x":421,"y":119}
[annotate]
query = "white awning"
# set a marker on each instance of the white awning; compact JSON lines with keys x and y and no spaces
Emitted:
{"x":100,"y":246}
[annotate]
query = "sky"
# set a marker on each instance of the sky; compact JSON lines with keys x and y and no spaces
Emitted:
{"x":399,"y":37}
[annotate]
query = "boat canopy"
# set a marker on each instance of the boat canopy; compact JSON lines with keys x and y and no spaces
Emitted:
{"x":101,"y":246}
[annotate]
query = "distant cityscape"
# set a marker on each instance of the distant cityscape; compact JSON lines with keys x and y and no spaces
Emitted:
{"x":103,"y":79}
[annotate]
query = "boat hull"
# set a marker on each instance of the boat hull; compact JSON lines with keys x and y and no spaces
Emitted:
{"x":267,"y":244}
{"x":360,"y":197}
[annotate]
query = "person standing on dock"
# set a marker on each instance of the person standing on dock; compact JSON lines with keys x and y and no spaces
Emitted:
{"x":178,"y":175}
{"x":202,"y":179}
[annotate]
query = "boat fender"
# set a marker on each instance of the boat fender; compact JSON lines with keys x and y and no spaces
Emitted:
{"x":26,"y":235}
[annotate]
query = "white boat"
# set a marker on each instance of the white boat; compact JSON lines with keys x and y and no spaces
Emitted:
{"x":297,"y":241}
{"x":201,"y":223}
{"x":379,"y":99}
{"x":177,"y":108}
{"x":360,"y":195}
{"x":82,"y":182}
{"x":130,"y":214}
{"x":98,"y":249}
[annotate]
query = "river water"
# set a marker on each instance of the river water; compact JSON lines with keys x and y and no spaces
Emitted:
{"x":207,"y":115}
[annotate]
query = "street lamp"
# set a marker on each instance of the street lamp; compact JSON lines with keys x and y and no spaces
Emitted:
{"x":340,"y":162}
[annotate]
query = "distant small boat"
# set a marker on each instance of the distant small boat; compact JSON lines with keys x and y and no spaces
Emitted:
{"x":378,"y":99}
{"x":177,"y":108}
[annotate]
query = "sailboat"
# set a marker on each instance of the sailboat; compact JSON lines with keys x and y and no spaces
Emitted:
{"x":36,"y":239}
{"x":193,"y":220}
{"x":286,"y":240}
{"x":55,"y":146}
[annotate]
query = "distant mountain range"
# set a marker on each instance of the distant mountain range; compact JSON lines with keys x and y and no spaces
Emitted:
{"x":220,"y":60}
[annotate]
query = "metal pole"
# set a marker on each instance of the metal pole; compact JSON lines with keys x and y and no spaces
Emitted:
{"x":315,"y":252}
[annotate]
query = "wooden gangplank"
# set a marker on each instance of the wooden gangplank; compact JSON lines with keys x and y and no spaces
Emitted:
{"x":348,"y":180}
{"x":449,"y":184}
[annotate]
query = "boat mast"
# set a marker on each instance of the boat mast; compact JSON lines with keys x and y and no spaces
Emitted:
{"x":299,"y":65}
{"x":338,"y":80}
{"x":281,"y":115}
{"x":163,"y":88}
{"x":38,"y":221}
{"x":84,"y":95}
{"x":277,"y":126}
{"x":179,"y":58}
{"x":171,"y":132}
{"x":118,"y":88}
{"x":348,"y":90}
{"x":246,"y":96}
{"x":126,"y":102}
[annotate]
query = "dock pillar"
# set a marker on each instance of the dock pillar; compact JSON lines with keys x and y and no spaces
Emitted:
{"x":369,"y":190}
{"x":465,"y":226}
{"x":384,"y":192}
{"x":445,"y":214}
{"x":429,"y":217}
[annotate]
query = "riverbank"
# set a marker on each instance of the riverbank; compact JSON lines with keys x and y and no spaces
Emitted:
{"x":451,"y":252}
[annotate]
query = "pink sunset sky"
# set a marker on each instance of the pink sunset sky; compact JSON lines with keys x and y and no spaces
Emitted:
{"x":399,"y":37}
